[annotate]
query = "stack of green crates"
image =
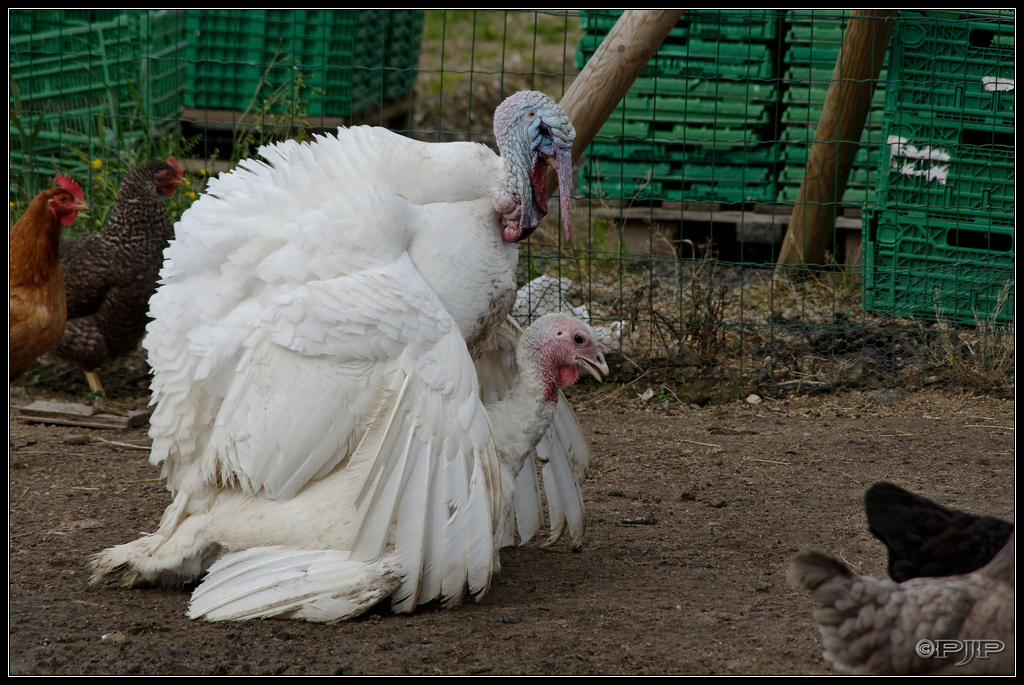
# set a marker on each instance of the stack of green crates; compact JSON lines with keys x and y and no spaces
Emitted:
{"x":349,"y":60}
{"x":940,"y":237}
{"x":813,"y":41}
{"x":697,"y":124}
{"x":79,"y":77}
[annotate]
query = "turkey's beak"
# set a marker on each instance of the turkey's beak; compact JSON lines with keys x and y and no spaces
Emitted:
{"x":595,"y":365}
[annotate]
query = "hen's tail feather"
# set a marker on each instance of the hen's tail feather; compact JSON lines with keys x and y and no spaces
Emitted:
{"x":275,"y":582}
{"x":926,"y":539}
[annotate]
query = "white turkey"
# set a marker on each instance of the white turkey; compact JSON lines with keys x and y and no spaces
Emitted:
{"x":331,"y":323}
{"x":952,"y":625}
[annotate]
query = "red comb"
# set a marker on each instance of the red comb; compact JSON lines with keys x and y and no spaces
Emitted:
{"x":69,"y":184}
{"x":174,"y":165}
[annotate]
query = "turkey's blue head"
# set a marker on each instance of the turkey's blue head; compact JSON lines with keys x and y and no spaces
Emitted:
{"x":532,"y":132}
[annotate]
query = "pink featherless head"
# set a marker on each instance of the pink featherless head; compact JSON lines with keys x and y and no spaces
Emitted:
{"x":71,"y":185}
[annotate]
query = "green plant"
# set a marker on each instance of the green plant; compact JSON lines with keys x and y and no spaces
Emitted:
{"x":278,"y":111}
{"x":979,"y":357}
{"x":99,"y":164}
{"x":704,"y":326}
{"x":27,"y":136}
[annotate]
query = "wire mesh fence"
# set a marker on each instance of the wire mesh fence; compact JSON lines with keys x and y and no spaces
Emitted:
{"x":684,"y":197}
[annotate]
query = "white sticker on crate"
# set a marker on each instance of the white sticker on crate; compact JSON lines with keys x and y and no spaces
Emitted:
{"x":996,"y":84}
{"x":932,"y":163}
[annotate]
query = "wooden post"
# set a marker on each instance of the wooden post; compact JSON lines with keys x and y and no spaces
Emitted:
{"x":606,"y":78}
{"x":840,"y":127}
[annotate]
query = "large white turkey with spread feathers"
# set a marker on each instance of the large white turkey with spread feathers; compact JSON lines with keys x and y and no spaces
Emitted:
{"x":331,"y":329}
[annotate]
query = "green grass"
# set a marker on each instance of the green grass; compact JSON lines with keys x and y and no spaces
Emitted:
{"x":526,"y":48}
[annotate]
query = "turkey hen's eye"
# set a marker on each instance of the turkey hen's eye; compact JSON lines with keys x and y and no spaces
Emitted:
{"x":578,"y":339}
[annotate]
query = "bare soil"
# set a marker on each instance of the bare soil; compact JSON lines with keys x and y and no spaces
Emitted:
{"x":694,"y":513}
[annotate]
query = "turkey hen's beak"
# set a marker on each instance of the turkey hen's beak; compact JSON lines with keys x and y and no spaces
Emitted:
{"x":595,"y":365}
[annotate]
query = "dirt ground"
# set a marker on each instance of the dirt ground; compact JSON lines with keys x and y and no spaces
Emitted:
{"x":694,"y":513}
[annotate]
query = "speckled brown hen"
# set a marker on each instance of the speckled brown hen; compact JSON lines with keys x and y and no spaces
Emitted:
{"x":110,"y":276}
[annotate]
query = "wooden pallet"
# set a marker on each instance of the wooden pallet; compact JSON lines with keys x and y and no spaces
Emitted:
{"x":216,"y":128}
{"x":763,"y":224}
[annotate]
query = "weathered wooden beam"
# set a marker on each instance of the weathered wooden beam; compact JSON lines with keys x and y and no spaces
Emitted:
{"x":75,"y":414}
{"x":611,"y":71}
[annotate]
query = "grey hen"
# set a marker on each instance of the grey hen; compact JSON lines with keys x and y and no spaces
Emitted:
{"x":927,"y":539}
{"x":955,"y":625}
{"x":110,"y":276}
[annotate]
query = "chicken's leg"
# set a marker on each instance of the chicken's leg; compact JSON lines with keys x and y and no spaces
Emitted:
{"x":100,"y":403}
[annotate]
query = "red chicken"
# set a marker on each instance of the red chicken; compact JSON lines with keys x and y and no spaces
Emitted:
{"x":110,"y":276}
{"x":38,"y":305}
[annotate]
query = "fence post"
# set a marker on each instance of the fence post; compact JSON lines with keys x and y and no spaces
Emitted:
{"x":865,"y":40}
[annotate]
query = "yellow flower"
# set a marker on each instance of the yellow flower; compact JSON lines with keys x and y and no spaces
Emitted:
{"x":97,"y":163}
{"x":192,"y":195}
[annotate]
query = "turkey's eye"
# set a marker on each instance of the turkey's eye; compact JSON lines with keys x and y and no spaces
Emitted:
{"x":579,"y":339}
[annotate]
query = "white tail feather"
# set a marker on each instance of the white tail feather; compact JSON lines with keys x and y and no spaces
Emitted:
{"x":275,"y":582}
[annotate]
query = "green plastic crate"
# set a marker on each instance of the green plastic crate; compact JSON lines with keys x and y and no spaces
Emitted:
{"x":701,"y":106}
{"x":732,"y":25}
{"x":660,"y":171}
{"x":351,"y":59}
{"x":813,"y":41}
{"x":961,"y":169}
{"x":79,"y":75}
{"x":132,"y":62}
{"x":957,"y":69}
{"x":921,"y":265}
